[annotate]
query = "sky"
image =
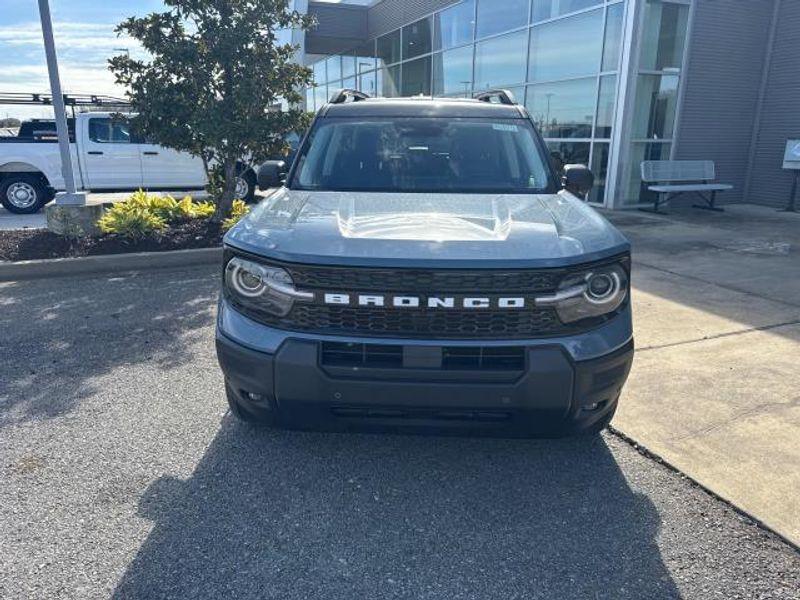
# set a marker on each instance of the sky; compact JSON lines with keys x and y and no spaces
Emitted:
{"x":85,"y":39}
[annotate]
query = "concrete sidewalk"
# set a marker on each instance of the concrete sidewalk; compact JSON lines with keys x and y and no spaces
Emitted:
{"x":715,"y":388}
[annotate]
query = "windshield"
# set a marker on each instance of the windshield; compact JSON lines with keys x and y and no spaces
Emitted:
{"x":422,"y":155}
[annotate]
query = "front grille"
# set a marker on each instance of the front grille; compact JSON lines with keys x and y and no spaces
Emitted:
{"x":408,"y":281}
{"x":438,"y":324}
{"x":453,"y":358}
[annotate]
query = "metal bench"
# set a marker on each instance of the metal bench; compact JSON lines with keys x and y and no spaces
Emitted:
{"x":675,"y":177}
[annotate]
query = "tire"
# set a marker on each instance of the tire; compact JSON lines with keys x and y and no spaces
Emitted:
{"x":246,"y":186}
{"x":24,"y":193}
{"x":247,"y":414}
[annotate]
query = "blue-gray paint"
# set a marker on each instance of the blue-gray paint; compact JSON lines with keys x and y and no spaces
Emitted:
{"x":477,"y":231}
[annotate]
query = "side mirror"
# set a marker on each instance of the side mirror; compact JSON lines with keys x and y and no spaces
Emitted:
{"x":577,"y":179}
{"x":271,"y":173}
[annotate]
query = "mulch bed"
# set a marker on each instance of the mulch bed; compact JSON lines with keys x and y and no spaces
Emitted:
{"x":31,"y":244}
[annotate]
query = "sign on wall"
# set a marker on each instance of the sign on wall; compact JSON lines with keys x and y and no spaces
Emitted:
{"x":791,"y":158}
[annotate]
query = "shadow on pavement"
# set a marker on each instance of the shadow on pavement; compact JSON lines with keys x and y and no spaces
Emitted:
{"x":58,"y":336}
{"x":275,"y":514}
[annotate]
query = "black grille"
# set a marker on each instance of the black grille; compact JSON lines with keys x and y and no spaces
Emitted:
{"x":408,"y":281}
{"x":444,"y":324}
{"x":453,"y":358}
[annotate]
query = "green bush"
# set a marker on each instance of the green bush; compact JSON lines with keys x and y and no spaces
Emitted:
{"x":144,"y":213}
{"x":130,"y":221}
{"x":238,"y":210}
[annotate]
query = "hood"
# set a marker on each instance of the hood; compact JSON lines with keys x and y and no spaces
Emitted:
{"x":435,"y":230}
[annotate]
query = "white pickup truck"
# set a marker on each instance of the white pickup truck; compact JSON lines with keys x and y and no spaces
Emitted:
{"x":106,"y":156}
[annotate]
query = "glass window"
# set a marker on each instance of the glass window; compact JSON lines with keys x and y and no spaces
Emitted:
{"x":349,"y":83}
{"x":334,"y":66}
{"x":366,"y":83}
{"x":656,"y":102}
{"x":417,"y":39}
{"x":568,"y":153}
{"x":600,"y":172}
{"x":500,"y":61}
{"x":417,"y":77}
{"x":636,"y":191}
{"x":497,"y":17}
{"x":613,"y":37}
{"x":605,"y":106}
{"x":454,"y":26}
{"x":389,"y":48}
{"x":664,"y":35}
{"x":320,"y":95}
{"x":570,"y":47}
{"x":463,"y":155}
{"x":310,"y":99}
{"x":452,"y":72}
{"x":547,"y":9}
{"x":564,"y":109}
{"x":320,"y":72}
{"x":389,"y":81}
{"x":348,"y":65}
{"x":109,"y":131}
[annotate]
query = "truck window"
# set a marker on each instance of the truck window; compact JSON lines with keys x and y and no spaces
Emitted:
{"x":109,"y":131}
{"x":460,"y":155}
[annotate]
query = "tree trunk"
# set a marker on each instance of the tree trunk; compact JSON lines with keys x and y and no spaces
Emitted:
{"x":225,"y":201}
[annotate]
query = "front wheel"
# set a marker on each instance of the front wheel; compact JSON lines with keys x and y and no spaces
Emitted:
{"x":246,"y":186}
{"x":23,"y":194}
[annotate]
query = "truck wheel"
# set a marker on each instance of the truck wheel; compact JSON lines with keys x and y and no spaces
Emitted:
{"x":246,"y":186}
{"x":246,"y":413}
{"x":23,"y":193}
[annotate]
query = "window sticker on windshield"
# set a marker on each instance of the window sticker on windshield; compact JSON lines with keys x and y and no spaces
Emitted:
{"x":503,"y":127}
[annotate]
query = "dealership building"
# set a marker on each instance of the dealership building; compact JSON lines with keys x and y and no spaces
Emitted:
{"x":609,"y":83}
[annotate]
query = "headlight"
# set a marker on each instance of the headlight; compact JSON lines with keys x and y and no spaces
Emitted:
{"x":590,"y":294}
{"x":261,"y":287}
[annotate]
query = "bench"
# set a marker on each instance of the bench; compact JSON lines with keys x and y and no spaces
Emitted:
{"x":671,"y":178}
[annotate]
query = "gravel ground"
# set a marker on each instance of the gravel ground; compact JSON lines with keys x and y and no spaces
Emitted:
{"x":123,"y":475}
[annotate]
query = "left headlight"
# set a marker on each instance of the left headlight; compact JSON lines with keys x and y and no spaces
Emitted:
{"x":593,"y":293}
{"x":262,"y":287}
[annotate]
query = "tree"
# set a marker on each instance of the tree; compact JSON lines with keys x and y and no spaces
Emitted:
{"x":215,"y":73}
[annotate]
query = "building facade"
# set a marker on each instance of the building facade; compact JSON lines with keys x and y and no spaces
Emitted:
{"x":610,"y":83}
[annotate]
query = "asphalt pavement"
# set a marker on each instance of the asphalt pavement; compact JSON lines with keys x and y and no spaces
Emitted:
{"x":123,"y":475}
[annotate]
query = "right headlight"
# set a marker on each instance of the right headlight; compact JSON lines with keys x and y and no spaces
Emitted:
{"x":593,"y":293}
{"x":262,"y":287}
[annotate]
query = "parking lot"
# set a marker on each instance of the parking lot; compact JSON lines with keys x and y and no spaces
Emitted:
{"x":123,"y":474}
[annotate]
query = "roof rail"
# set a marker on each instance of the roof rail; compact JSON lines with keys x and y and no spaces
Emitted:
{"x":341,"y":96}
{"x":69,"y":100}
{"x":503,"y":96}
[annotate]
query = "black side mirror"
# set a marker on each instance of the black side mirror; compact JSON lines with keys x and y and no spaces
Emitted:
{"x":271,"y":174}
{"x":577,"y":179}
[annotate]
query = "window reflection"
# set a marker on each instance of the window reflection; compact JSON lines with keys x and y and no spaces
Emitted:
{"x":388,"y":48}
{"x":500,"y":61}
{"x":567,"y":48}
{"x":605,"y":106}
{"x":334,"y":66}
{"x":417,"y":39}
{"x":565,"y":109}
{"x":417,"y":77}
{"x":599,"y":169}
{"x":390,"y":81}
{"x":655,"y":105}
{"x":568,"y":153}
{"x":613,"y":37}
{"x":497,"y":17}
{"x":664,"y":35}
{"x":452,"y":72}
{"x":547,"y":9}
{"x":454,"y":26}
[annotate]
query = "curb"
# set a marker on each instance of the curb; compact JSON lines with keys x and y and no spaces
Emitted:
{"x":108,"y":263}
{"x":657,"y":458}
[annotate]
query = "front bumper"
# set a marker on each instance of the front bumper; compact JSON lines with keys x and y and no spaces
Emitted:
{"x":574,"y":381}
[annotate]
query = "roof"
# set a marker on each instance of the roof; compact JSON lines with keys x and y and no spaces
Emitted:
{"x":423,"y":107}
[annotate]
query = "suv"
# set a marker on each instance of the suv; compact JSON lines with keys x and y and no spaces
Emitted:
{"x":420,"y":267}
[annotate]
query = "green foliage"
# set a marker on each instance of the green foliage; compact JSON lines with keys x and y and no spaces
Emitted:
{"x":214,"y":76}
{"x":130,"y":221}
{"x":238,"y":210}
{"x":143,"y":214}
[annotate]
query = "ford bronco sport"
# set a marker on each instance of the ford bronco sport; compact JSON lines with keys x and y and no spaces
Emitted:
{"x":419,"y":266}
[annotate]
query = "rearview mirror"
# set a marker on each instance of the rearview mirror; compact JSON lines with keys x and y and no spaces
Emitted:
{"x":271,"y":174}
{"x":577,"y":179}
